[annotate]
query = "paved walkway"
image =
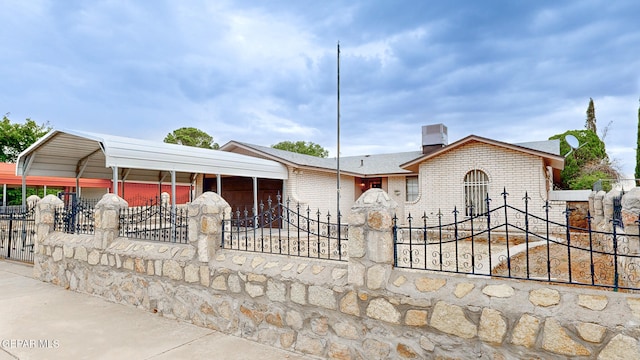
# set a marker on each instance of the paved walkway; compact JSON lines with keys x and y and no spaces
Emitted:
{"x":43,"y":321}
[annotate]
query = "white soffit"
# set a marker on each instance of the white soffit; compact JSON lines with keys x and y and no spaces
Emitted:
{"x":65,"y":153}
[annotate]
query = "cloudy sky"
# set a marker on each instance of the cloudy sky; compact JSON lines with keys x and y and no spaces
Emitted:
{"x":265,"y":71}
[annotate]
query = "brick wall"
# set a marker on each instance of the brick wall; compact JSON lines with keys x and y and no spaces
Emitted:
{"x":441,"y":183}
{"x":442,"y":180}
{"x":317,"y":190}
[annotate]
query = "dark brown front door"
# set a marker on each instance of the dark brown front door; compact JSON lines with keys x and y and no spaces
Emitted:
{"x":238,"y":191}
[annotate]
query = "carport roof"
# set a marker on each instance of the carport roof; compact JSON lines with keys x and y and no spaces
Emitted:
{"x":71,"y":153}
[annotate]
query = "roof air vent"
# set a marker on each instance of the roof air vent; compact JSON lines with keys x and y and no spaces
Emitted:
{"x":433,"y":137}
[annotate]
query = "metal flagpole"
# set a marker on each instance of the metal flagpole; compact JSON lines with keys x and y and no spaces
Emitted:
{"x":338,"y":155}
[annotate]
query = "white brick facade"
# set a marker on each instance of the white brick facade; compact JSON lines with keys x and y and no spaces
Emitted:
{"x":442,"y":180}
{"x":317,"y":190}
{"x":441,"y":175}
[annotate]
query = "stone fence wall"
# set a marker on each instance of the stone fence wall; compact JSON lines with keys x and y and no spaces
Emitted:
{"x":359,"y":309}
{"x":601,"y":208}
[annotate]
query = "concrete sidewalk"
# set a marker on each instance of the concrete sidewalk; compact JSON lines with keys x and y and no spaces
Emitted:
{"x":43,"y":321}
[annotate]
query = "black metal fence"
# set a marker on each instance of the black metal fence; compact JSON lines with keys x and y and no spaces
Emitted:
{"x":509,"y":242}
{"x":617,"y":208}
{"x":277,"y":228}
{"x":12,"y":209}
{"x":17,"y":233}
{"x":156,"y":222}
{"x":76,"y":216}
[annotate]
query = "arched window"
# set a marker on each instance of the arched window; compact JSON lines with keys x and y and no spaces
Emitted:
{"x":476,"y":187}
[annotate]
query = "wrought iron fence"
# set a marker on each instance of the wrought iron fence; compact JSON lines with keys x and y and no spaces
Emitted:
{"x":277,"y":228}
{"x":76,"y":216}
{"x":13,"y":209}
{"x":17,"y":233}
{"x":509,"y":242}
{"x":156,"y":222}
{"x":617,"y":208}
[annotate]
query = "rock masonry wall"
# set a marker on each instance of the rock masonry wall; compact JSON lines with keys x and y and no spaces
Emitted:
{"x":359,"y":309}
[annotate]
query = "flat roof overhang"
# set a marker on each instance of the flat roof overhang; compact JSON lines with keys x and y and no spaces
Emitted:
{"x":75,"y":154}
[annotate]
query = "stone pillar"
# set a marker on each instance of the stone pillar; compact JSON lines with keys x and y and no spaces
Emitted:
{"x":44,"y":221}
{"x":205,"y":223}
{"x":592,"y":198}
{"x":32,"y":201}
{"x":45,"y":218}
{"x":631,"y":211}
{"x":598,"y":210}
{"x":164,"y":199}
{"x":371,"y":239}
{"x":107,"y":218}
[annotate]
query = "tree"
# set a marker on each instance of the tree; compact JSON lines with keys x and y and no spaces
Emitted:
{"x":302,"y":147}
{"x":590,"y":124}
{"x":190,"y":136}
{"x":637,"y":174}
{"x":15,"y":137}
{"x":14,"y":194}
{"x":584,"y":165}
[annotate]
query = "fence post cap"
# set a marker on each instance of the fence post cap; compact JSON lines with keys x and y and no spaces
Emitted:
{"x":375,"y":197}
{"x":112,"y":201}
{"x":207,"y":197}
{"x":51,"y":200}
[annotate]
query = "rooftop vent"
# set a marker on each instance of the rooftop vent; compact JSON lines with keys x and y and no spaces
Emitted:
{"x":433,"y":137}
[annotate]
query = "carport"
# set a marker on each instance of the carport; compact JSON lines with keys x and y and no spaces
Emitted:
{"x":79,"y":154}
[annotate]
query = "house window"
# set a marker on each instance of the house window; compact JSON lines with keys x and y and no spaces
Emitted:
{"x":476,"y":187}
{"x":412,"y":188}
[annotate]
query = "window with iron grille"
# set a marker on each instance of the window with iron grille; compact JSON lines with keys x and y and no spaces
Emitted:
{"x":412,"y":188}
{"x":476,"y":187}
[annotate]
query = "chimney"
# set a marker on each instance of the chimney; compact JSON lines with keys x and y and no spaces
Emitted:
{"x":434,"y":137}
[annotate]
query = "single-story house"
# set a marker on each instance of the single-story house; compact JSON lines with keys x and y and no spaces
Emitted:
{"x":434,"y":179}
{"x":439,"y":177}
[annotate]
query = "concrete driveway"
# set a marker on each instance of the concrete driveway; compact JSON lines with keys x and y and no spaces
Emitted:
{"x":43,"y":321}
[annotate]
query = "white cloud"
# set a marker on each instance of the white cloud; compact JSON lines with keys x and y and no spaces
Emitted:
{"x":263,"y":73}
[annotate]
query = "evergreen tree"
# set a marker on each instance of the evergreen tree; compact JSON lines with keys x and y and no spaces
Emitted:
{"x":190,"y":136}
{"x":302,"y":147}
{"x":587,"y":164}
{"x":637,"y":174}
{"x":590,"y":124}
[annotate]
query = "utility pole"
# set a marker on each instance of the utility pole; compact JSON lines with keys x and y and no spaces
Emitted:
{"x":338,"y":132}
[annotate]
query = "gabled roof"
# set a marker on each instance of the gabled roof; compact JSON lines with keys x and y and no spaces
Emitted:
{"x":379,"y":164}
{"x":70,"y":153}
{"x":361,"y":166}
{"x":283,"y":156}
{"x":553,"y":160}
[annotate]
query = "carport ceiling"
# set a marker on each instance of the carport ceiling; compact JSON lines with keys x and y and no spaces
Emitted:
{"x":70,"y":153}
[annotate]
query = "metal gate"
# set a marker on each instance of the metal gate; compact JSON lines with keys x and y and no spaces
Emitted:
{"x":17,"y":233}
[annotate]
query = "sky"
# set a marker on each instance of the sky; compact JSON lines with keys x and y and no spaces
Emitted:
{"x":266,"y":71}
